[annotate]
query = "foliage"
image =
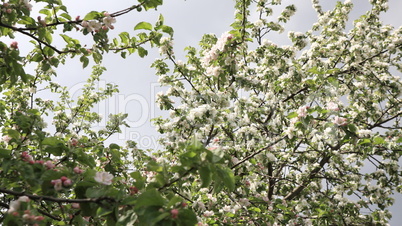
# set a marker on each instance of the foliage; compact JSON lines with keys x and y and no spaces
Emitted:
{"x":70,"y":176}
{"x":310,"y":132}
{"x":263,"y":134}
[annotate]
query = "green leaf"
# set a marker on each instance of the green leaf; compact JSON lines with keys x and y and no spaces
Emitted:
{"x":142,"y":52}
{"x":52,"y":141}
{"x":352,"y":128}
{"x":88,"y":209}
{"x":167,"y":30}
{"x":378,"y":140}
{"x":154,"y":166}
{"x":13,"y":134}
{"x":85,"y":61}
{"x":292,"y":115}
{"x":139,"y":179}
{"x":103,"y":211}
{"x":130,"y":200}
{"x":186,"y":217}
{"x":160,"y":21}
{"x":128,"y":218}
{"x":57,"y":151}
{"x":66,"y":38}
{"x":66,"y":16}
{"x":45,"y":12}
{"x":364,"y":141}
{"x":160,"y":217}
{"x":227,"y":177}
{"x":85,"y":159}
{"x":143,"y":25}
{"x":114,"y":146}
{"x":5,"y":153}
{"x":93,"y":15}
{"x":48,"y":37}
{"x":206,"y":176}
{"x":282,"y":207}
{"x":314,"y":70}
{"x":150,"y":215}
{"x":217,"y":155}
{"x":96,"y":192}
{"x":173,"y":201}
{"x":150,"y":4}
{"x":150,"y":198}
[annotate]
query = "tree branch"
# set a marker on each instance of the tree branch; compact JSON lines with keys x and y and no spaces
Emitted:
{"x":300,"y":188}
{"x":256,"y":153}
{"x":57,"y":200}
{"x":177,"y":179}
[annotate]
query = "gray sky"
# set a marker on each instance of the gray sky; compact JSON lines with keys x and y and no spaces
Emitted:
{"x":190,"y":19}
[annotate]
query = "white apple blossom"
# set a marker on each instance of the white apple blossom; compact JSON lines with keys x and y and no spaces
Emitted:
{"x":109,"y":20}
{"x":302,"y":111}
{"x":340,"y":121}
{"x":332,"y":106}
{"x":208,"y":213}
{"x":27,"y":4}
{"x":103,"y":178}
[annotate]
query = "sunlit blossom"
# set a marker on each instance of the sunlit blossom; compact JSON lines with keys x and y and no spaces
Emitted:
{"x":104,"y":178}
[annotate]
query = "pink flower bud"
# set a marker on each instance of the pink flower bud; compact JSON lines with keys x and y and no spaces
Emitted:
{"x":9,"y":11}
{"x":39,"y":218}
{"x":63,"y":178}
{"x":77,"y":170}
{"x":74,"y":142}
{"x":49,"y":164}
{"x":133,"y":190}
{"x":175,"y":213}
{"x":67,"y":183}
{"x":75,"y":205}
{"x":77,"y":18}
{"x":14,"y":45}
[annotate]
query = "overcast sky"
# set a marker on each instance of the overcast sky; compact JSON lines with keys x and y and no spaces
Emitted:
{"x":190,"y":20}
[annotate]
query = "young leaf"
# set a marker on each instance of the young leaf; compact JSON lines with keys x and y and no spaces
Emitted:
{"x":143,"y":25}
{"x":150,"y":198}
{"x":206,"y":176}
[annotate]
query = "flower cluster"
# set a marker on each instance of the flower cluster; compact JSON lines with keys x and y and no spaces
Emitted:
{"x":213,"y":53}
{"x":290,"y":119}
{"x":27,"y":4}
{"x":166,"y":45}
{"x":15,"y":205}
{"x":96,"y":26}
{"x":59,"y":183}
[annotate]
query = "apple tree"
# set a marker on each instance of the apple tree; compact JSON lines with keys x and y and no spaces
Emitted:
{"x":303,"y":134}
{"x":55,"y":169}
